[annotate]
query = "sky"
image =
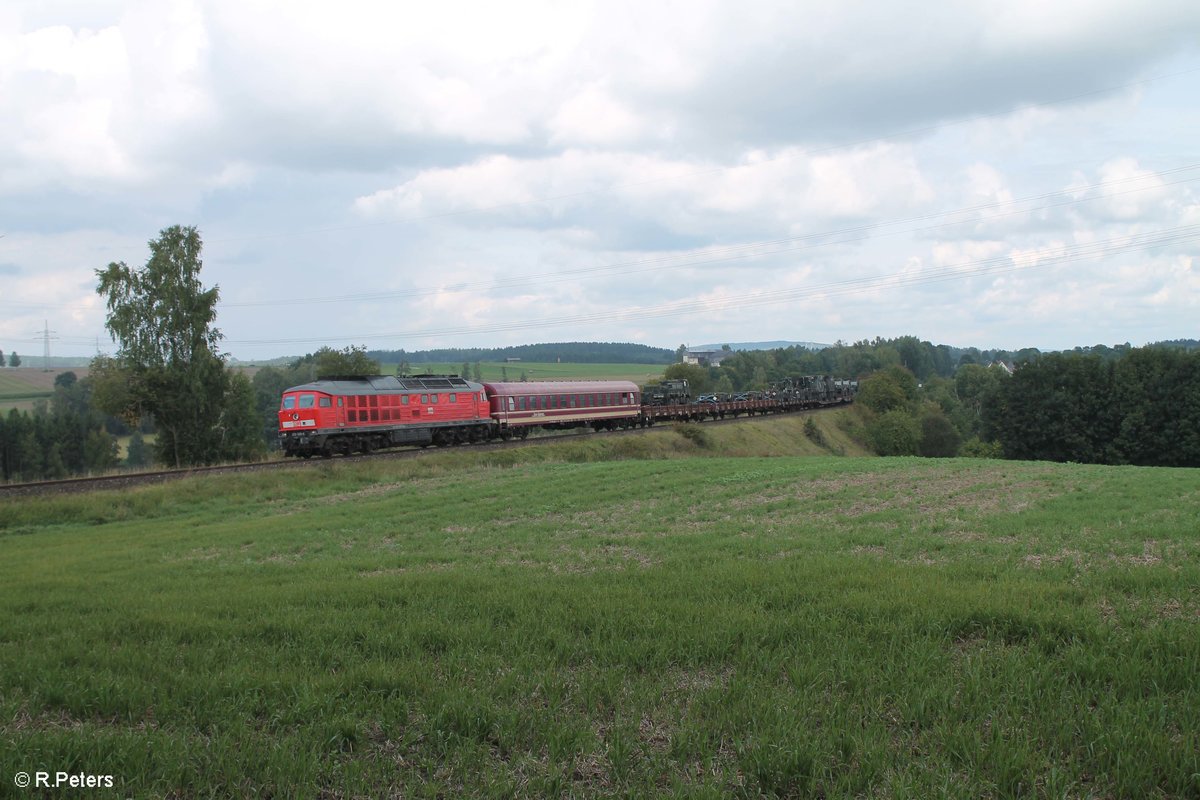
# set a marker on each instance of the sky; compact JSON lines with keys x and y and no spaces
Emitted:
{"x":1000,"y":174}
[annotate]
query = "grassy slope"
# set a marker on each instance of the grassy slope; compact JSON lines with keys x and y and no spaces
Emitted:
{"x":543,"y":621}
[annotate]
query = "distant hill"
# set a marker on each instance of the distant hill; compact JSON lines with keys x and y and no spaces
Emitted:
{"x":778,"y":345}
{"x":571,"y":352}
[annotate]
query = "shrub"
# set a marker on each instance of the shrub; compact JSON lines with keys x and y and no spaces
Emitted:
{"x":693,"y":433}
{"x":895,"y":433}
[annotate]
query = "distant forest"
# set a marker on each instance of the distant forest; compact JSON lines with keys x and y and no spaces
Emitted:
{"x":570,"y":352}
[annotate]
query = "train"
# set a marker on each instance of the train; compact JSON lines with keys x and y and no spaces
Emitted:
{"x":340,"y":415}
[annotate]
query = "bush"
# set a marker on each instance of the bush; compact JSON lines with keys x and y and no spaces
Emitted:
{"x":693,"y":433}
{"x":939,"y":438}
{"x":895,"y":433}
{"x":814,"y":433}
{"x":976,"y":448}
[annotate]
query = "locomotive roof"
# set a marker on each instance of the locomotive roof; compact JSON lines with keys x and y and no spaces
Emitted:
{"x":559,"y":387}
{"x":385,"y":384}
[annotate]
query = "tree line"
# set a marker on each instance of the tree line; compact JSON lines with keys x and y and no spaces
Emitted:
{"x":1099,"y":404}
{"x":571,"y":352}
{"x":1119,"y":404}
{"x":64,"y":436}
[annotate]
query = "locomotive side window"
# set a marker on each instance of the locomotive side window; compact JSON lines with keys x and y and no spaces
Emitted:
{"x":433,"y":398}
{"x":453,"y":397}
{"x":404,"y":399}
{"x":289,"y":402}
{"x":424,"y":399}
{"x":340,"y":402}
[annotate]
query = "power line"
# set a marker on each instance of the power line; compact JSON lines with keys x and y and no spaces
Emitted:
{"x":735,"y":252}
{"x":807,"y":153}
{"x":969,"y":269}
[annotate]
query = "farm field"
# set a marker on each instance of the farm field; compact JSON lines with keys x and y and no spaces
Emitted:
{"x":560,"y":620}
{"x":547,"y":371}
{"x":21,"y":387}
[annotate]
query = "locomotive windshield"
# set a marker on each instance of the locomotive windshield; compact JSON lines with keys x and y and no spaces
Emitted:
{"x":289,"y":402}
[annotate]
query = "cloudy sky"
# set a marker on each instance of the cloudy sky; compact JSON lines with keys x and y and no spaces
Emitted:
{"x":1008,"y":173}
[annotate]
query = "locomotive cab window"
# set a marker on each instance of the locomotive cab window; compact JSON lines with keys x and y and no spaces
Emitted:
{"x":307,"y":400}
{"x":325,"y":402}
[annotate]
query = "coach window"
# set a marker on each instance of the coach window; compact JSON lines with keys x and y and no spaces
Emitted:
{"x":512,"y":404}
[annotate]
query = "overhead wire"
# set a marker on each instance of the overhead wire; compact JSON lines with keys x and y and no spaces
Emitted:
{"x":969,"y":269}
{"x":737,"y":252}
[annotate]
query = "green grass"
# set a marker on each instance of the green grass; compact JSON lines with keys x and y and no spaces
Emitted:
{"x":548,"y":371}
{"x":18,"y":391}
{"x":546,"y":622}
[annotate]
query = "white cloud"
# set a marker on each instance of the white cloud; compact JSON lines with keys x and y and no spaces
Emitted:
{"x":709,"y":150}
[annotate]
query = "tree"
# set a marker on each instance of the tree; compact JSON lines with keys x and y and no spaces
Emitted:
{"x":888,"y":390}
{"x":939,"y":437}
{"x":347,"y":361}
{"x":162,"y":319}
{"x":680,"y":352}
{"x":2,"y":362}
{"x":14,"y":360}
{"x":698,"y":378}
{"x":137,"y":454}
{"x":896,"y":433}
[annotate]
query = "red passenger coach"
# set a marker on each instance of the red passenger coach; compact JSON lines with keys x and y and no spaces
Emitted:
{"x":365,"y":413}
{"x":604,"y":405}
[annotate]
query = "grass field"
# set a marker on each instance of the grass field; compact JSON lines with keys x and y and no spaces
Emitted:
{"x":21,"y":387}
{"x":547,"y":371}
{"x":618,"y":617}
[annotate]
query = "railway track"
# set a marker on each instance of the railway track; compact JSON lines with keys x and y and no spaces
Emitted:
{"x":129,"y":480}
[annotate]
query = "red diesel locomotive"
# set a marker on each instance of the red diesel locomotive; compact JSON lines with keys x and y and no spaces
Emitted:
{"x":342,"y":415}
